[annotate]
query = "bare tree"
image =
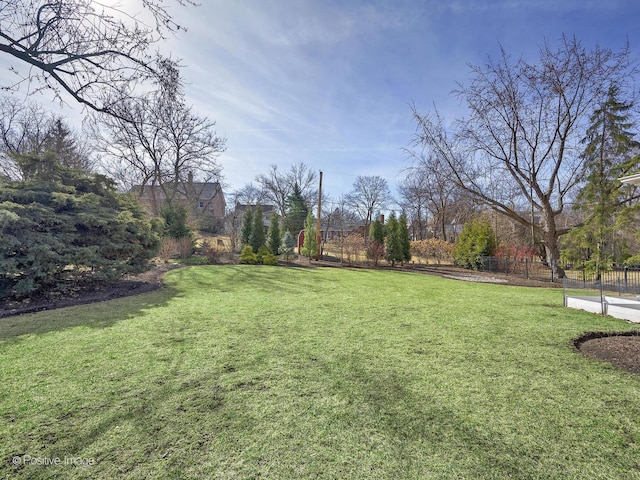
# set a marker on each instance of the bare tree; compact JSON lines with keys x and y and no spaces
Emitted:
{"x":250,"y":194}
{"x":162,"y":142}
{"x":369,"y":195}
{"x":95,"y":53}
{"x":278,"y":186}
{"x":518,"y":150}
{"x":26,"y":129}
{"x":414,"y":198}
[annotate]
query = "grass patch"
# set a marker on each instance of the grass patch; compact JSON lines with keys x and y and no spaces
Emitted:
{"x":246,"y":372}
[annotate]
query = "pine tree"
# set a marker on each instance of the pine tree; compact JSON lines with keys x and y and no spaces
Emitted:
{"x":403,"y":238}
{"x":609,"y":154}
{"x":477,"y":240}
{"x":257,"y":238}
{"x":297,"y":211}
{"x":310,"y":246}
{"x":394,"y":247}
{"x":247,"y":227}
{"x":274,"y":234}
{"x":288,"y":245}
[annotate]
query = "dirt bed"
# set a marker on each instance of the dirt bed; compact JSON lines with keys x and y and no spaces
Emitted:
{"x":621,"y":349}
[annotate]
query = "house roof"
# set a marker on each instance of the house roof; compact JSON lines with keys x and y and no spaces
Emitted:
{"x":200,"y":190}
{"x":241,"y":208}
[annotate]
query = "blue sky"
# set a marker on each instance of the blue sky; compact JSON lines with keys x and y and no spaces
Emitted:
{"x":329,"y":83}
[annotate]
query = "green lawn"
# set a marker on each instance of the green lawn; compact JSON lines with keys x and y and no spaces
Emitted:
{"x":270,"y":372}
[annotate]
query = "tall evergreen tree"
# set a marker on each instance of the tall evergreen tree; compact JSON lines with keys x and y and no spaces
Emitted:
{"x":257,"y":238}
{"x":403,"y":238}
{"x":247,"y":227}
{"x":273,"y":236}
{"x":296,"y":212}
{"x":394,"y":247}
{"x":310,"y":246}
{"x":611,"y":152}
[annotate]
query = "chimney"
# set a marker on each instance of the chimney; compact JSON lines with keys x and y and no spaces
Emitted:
{"x":190,"y":178}
{"x":382,"y":218}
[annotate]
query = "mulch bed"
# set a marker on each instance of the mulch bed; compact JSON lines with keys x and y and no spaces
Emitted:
{"x":130,"y":285}
{"x":620,"y":349}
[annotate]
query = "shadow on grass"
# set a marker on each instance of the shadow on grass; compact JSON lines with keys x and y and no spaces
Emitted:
{"x":412,"y":419}
{"x":95,"y":315}
{"x":234,"y":278}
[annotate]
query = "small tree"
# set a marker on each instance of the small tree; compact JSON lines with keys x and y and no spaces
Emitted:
{"x":403,"y":239}
{"x":257,"y":238}
{"x":310,"y":246}
{"x":273,"y":236}
{"x":476,"y":241}
{"x":247,"y":227}
{"x":175,"y":219}
{"x":287,"y":246}
{"x":353,"y":246}
{"x":394,"y":246}
{"x":247,"y":256}
{"x":375,"y":250}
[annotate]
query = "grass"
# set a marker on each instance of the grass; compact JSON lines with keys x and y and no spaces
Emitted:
{"x":247,"y":372}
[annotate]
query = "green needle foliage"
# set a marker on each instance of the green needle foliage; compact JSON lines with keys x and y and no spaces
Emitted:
{"x":477,"y":240}
{"x":273,"y":235}
{"x":257,"y":238}
{"x":310,"y":245}
{"x":63,"y":228}
{"x":288,"y":245}
{"x":611,"y":152}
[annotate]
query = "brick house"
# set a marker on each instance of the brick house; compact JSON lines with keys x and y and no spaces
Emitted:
{"x":204,"y":201}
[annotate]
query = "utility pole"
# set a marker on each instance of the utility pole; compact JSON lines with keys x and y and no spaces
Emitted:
{"x":318,"y":236}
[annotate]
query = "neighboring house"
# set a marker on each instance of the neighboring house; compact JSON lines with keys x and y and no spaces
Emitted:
{"x":241,"y":209}
{"x":203,"y":200}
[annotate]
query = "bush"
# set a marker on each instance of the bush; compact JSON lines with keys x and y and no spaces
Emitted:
{"x":213,"y":252}
{"x":353,"y":245}
{"x":168,"y":249}
{"x":63,"y":231}
{"x":262,"y":252}
{"x":269,"y":259}
{"x":476,"y":241}
{"x":247,"y":256}
{"x":185,"y":247}
{"x":432,"y":248}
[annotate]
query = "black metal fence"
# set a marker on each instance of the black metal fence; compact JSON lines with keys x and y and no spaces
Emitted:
{"x":526,"y":268}
{"x":620,"y":279}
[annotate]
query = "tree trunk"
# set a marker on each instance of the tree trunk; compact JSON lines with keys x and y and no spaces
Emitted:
{"x":550,"y":241}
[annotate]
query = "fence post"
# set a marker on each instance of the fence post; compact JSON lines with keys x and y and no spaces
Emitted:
{"x":626,"y":286}
{"x":552,"y":264}
{"x":526,"y":268}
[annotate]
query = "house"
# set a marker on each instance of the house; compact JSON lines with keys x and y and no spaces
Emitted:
{"x":204,"y":201}
{"x":241,"y":209}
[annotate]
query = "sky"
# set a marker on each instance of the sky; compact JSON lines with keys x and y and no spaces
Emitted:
{"x":331,"y":83}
